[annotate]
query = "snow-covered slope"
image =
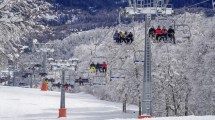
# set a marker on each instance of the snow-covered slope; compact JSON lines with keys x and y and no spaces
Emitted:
{"x":33,"y":104}
{"x":177,"y":118}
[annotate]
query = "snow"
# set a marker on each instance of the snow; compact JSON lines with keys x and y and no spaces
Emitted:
{"x":178,"y":118}
{"x":33,"y":104}
{"x":24,"y":104}
{"x":3,"y":3}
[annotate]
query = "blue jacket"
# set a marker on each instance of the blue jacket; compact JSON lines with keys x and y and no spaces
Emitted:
{"x":116,"y":36}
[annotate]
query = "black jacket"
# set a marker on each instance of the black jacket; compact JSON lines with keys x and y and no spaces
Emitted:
{"x":171,"y":31}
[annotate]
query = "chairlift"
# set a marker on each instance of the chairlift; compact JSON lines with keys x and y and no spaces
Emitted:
{"x":184,"y":31}
{"x":125,"y":18}
{"x":116,"y":74}
{"x":44,"y":47}
{"x":98,"y":80}
{"x":100,"y":60}
{"x":25,"y":49}
{"x":139,"y":56}
{"x":163,"y":8}
{"x":85,"y":75}
{"x":165,"y":21}
{"x":74,"y":60}
{"x":85,"y":78}
{"x":124,"y":28}
{"x":82,"y":80}
{"x":96,"y":84}
{"x":43,"y":74}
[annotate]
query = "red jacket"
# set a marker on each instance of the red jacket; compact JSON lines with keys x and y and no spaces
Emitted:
{"x":158,"y":31}
{"x":164,"y":31}
{"x":104,"y":65}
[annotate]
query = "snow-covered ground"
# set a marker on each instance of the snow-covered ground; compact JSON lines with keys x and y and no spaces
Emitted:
{"x":33,"y":104}
{"x":179,"y":118}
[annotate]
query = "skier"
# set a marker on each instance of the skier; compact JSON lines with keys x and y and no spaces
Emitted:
{"x":130,"y":37}
{"x":116,"y":36}
{"x":171,"y":34}
{"x":158,"y":32}
{"x":92,"y":67}
{"x":164,"y":34}
{"x":104,"y":67}
{"x":152,"y":32}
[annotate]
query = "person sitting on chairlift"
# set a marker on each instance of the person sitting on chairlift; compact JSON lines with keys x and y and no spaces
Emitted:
{"x":98,"y":67}
{"x":171,"y":34}
{"x":158,"y":32}
{"x":81,"y":82}
{"x":164,"y":34}
{"x":120,"y":37}
{"x":92,"y":67}
{"x":104,"y":67}
{"x":125,"y":37}
{"x":130,"y":38}
{"x":152,"y":32}
{"x":116,"y":36}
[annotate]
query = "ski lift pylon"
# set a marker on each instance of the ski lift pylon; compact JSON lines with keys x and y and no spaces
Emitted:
{"x":213,"y":3}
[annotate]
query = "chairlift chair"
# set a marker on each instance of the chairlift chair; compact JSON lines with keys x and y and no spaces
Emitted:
{"x":116,"y":74}
{"x":139,"y":56}
{"x":44,"y":47}
{"x":98,"y":80}
{"x":100,"y":60}
{"x":85,"y":75}
{"x":165,"y":21}
{"x":74,"y":60}
{"x":125,"y":18}
{"x":154,"y":7}
{"x":184,"y":31}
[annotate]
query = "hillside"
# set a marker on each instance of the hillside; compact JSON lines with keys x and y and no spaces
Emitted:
{"x":186,"y":68}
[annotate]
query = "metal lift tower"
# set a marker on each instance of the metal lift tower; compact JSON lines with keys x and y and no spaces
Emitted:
{"x":148,"y":8}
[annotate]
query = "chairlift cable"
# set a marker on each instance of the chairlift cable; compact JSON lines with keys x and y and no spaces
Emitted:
{"x":198,"y":3}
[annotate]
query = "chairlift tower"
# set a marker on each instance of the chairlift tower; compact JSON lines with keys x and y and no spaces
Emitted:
{"x":213,"y":3}
{"x":64,"y":65}
{"x":148,"y":8}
